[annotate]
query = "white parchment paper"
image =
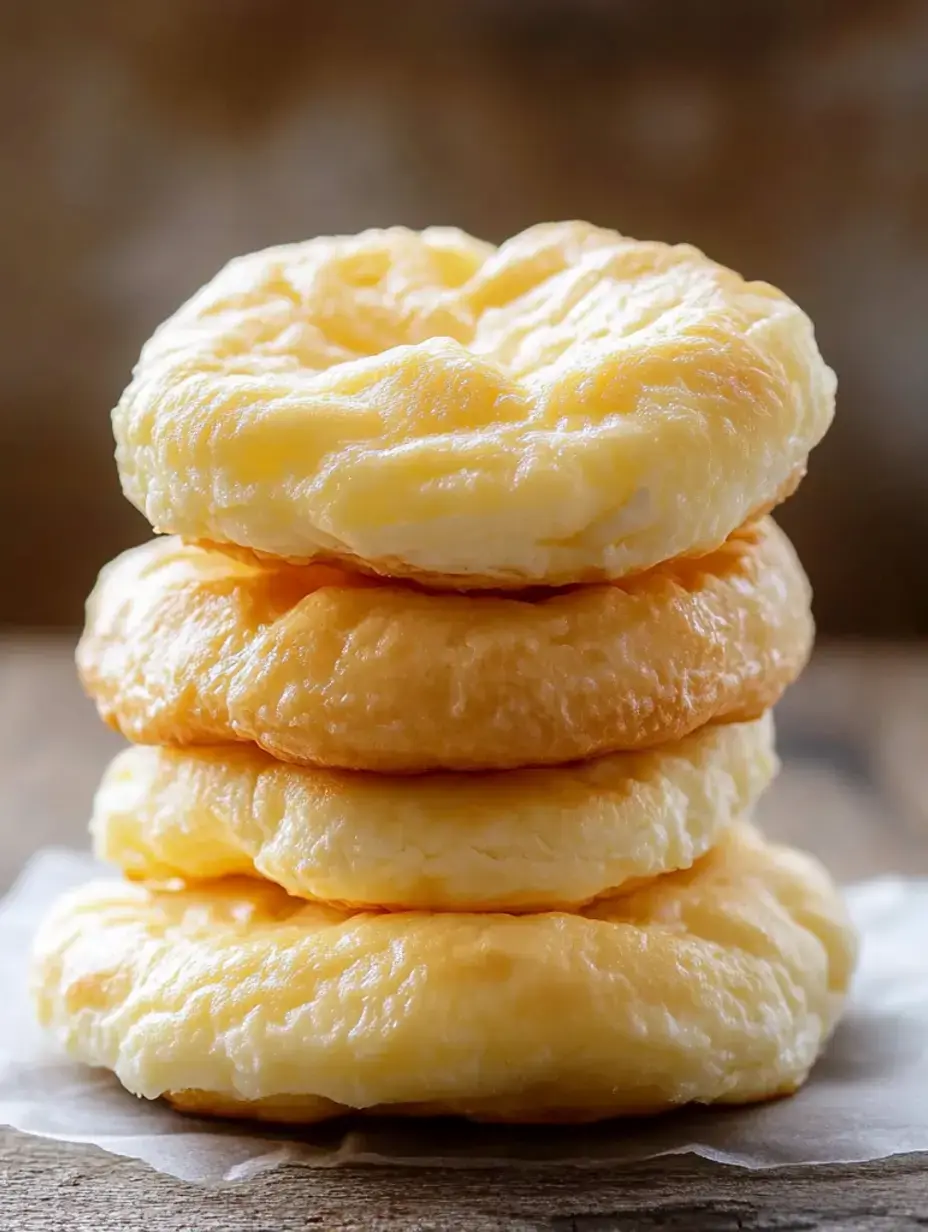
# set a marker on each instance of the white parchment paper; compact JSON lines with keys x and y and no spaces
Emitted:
{"x":867,"y":1099}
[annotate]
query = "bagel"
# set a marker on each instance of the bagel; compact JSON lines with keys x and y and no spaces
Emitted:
{"x":318,"y":666}
{"x":571,"y":407}
{"x":720,"y":983}
{"x":520,"y":840}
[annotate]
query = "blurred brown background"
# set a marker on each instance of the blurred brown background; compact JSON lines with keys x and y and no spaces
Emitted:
{"x":144,"y":144}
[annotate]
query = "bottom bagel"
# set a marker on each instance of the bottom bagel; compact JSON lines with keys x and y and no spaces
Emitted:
{"x":720,"y":983}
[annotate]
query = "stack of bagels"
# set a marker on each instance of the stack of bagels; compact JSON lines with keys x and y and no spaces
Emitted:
{"x":448,"y":683}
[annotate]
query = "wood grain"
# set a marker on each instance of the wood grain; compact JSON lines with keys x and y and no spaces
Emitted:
{"x":854,"y":789}
{"x":45,"y":1188}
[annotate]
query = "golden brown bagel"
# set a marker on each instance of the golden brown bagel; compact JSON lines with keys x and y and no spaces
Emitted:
{"x":520,"y":840}
{"x":717,"y":984}
{"x":316,"y":665}
{"x":572,"y":406}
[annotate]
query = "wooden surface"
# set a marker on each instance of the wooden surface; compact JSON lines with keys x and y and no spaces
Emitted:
{"x":854,"y":737}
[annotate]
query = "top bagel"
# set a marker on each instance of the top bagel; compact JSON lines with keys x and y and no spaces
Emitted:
{"x":569,"y":407}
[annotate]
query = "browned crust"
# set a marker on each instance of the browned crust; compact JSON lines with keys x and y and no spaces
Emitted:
{"x":312,"y":1109}
{"x":369,"y":676}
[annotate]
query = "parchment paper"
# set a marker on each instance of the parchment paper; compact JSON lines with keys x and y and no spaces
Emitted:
{"x":867,"y":1099}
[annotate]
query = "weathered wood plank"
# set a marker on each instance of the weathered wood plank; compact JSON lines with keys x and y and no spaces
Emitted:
{"x":86,"y":1191}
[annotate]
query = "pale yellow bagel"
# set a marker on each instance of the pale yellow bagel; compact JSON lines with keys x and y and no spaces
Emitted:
{"x":519,"y":840}
{"x":572,"y":406}
{"x":716,"y":984}
{"x":188,"y":646}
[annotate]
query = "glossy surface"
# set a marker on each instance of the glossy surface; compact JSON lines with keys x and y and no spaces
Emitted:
{"x":317,"y":665}
{"x":515,"y":841}
{"x":716,"y":984}
{"x":572,"y":406}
